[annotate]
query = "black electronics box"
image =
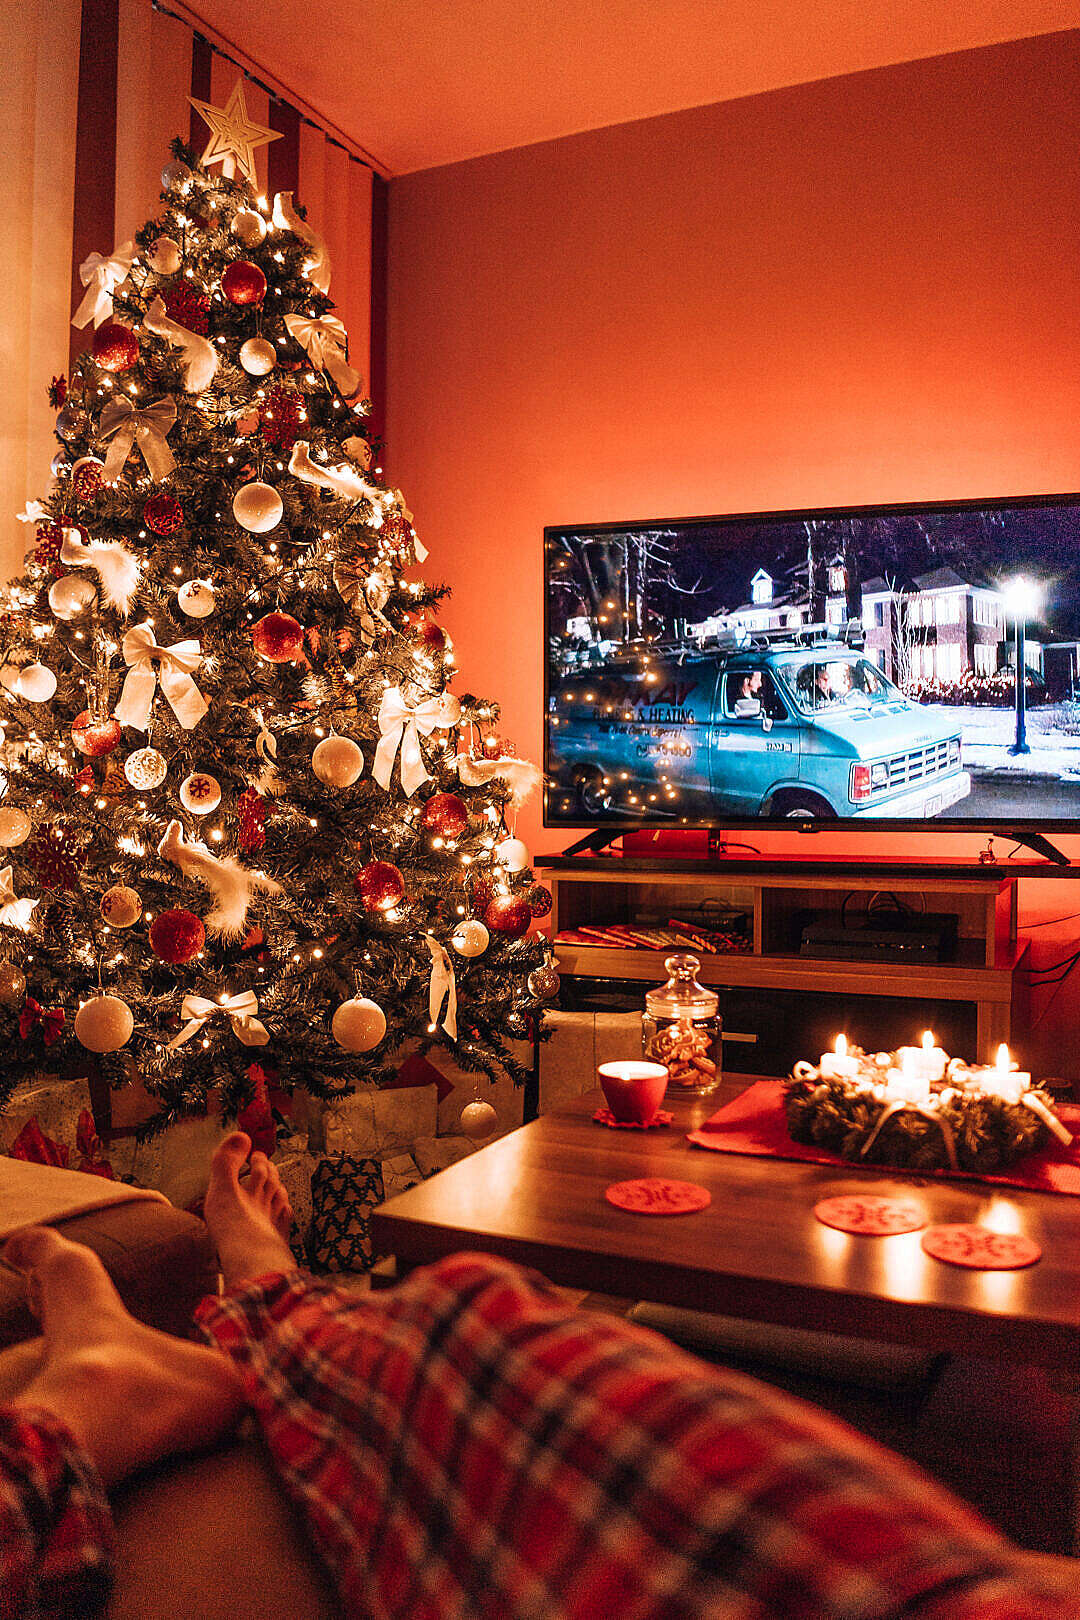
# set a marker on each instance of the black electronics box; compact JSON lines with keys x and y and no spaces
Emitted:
{"x":895,"y":937}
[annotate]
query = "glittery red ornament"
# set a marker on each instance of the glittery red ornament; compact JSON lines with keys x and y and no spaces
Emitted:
{"x":278,"y":637}
{"x":445,"y":815}
{"x":251,"y":820}
{"x":481,"y":895}
{"x":163,"y":513}
{"x":279,"y":416}
{"x":243,"y":283}
{"x":188,"y":307}
{"x":58,"y":392}
{"x":115,"y":347}
{"x":397,"y":531}
{"x":431,"y":635}
{"x":86,"y":478}
{"x":380,"y":886}
{"x":50,"y":537}
{"x":94,"y":737}
{"x":177,"y":936}
{"x":508,"y":914}
{"x":492,"y":747}
{"x":51,"y":857}
{"x":539,"y":900}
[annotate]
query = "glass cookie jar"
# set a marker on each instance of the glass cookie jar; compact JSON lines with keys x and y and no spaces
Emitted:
{"x":682,"y":1029}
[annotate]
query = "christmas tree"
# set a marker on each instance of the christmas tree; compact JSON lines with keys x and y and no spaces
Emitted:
{"x":245,"y":822}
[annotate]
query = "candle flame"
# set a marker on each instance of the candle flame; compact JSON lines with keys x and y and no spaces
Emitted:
{"x":840,"y":1046}
{"x":1003,"y":1060}
{"x":928,"y":1040}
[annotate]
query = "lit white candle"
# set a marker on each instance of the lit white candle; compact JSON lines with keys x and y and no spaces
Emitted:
{"x":928,"y":1059}
{"x":906,"y":1085}
{"x":1003,"y":1080}
{"x":838,"y":1064}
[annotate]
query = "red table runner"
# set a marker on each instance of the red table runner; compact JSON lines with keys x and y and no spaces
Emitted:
{"x":755,"y":1123}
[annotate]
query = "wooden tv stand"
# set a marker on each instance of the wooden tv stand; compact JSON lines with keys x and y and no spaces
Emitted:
{"x":985,"y":972}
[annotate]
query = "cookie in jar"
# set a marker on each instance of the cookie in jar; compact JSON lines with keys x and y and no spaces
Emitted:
{"x":682,"y":1029}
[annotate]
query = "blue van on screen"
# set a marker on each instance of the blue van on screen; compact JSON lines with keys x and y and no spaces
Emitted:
{"x":766,"y":725}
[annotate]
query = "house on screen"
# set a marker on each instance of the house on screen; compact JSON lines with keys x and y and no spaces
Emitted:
{"x":938,"y":627}
{"x":773,"y":605}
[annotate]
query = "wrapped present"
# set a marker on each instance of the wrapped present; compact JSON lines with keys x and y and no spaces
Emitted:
{"x":399,"y":1173}
{"x":56,"y":1105}
{"x":376,"y":1124}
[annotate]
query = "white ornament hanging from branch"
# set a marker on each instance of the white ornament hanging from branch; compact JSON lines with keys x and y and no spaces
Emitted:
{"x":521,"y":776}
{"x":115,"y":565}
{"x":231,"y":884}
{"x":14,"y":912}
{"x":317,"y":264}
{"x":341,"y":478}
{"x":199,"y":356}
{"x":443,"y":987}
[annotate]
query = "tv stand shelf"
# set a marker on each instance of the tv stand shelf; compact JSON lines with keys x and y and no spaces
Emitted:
{"x":983,"y":972}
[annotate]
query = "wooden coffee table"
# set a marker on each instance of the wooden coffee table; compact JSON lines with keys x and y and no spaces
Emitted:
{"x":537,"y":1196}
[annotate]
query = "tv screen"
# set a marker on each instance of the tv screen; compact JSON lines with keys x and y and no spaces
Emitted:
{"x":875,"y":664}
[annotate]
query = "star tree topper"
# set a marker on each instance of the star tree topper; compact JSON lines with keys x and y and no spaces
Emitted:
{"x":233,"y":137}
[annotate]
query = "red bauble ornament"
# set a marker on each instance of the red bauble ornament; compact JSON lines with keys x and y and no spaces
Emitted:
{"x":492,"y":747}
{"x":50,"y":537}
{"x":177,"y":936}
{"x":279,"y":416}
{"x":380,"y":886}
{"x":251,"y":820}
{"x":115,"y":347}
{"x":51,"y":856}
{"x":86,"y":478}
{"x":188,"y":307}
{"x":243,"y":283}
{"x":539,"y":900}
{"x":278,"y":637}
{"x":94,"y":737}
{"x":163,"y":513}
{"x":432,"y":635}
{"x":482,"y":894}
{"x":508,"y":914}
{"x":445,"y":815}
{"x":397,"y":531}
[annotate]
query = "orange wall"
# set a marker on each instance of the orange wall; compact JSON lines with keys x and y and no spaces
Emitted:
{"x":865,"y":289}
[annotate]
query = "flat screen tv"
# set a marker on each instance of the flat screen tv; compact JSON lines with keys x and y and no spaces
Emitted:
{"x":877,"y":665}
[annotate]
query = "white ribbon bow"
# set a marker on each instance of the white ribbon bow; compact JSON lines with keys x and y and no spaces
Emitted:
{"x":16,"y":913}
{"x":101,"y":277}
{"x":199,"y":355}
{"x":122,"y":423}
{"x":443,"y":987}
{"x":324,"y":340}
{"x":404,"y":723}
{"x":176,"y":665}
{"x":239,"y":1010}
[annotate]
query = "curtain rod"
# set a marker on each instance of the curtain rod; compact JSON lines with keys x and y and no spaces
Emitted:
{"x":273,"y":87}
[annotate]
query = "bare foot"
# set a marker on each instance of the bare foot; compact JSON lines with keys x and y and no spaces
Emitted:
{"x":128,"y":1393}
{"x":249,"y":1220}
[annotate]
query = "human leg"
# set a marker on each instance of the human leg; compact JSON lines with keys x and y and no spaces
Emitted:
{"x":108,"y":1396}
{"x":467,"y":1444}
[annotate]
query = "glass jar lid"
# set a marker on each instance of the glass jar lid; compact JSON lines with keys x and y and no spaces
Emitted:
{"x":682,"y":996}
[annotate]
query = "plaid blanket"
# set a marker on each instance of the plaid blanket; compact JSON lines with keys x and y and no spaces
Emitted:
{"x":467,"y":1445}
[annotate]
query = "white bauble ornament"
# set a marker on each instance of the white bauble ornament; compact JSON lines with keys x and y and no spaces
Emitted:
{"x":478,"y":1119}
{"x":248,"y":227}
{"x":36,"y":683}
{"x":358,"y":449}
{"x":174,"y":174}
{"x":470,"y":937}
{"x":337,"y":761}
{"x":104,"y":1024}
{"x":120,"y":906}
{"x":257,"y":357}
{"x":164,"y":257}
{"x":145,"y":769}
{"x":200,"y":793}
{"x":14,"y":826}
{"x":513,"y":854}
{"x":257,"y":508}
{"x":358,"y":1025}
{"x":71,"y":595}
{"x":196,"y":598}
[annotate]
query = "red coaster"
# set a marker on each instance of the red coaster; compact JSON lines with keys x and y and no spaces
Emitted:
{"x":980,"y":1249}
{"x":872,"y":1217}
{"x":604,"y":1116}
{"x":656,"y":1195}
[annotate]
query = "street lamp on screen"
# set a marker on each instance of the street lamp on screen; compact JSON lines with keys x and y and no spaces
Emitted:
{"x":1022,"y":601}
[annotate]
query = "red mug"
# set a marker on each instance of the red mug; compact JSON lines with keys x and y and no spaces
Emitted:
{"x":634,"y":1090}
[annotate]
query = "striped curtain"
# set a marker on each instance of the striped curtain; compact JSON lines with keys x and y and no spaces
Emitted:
{"x":88,"y":146}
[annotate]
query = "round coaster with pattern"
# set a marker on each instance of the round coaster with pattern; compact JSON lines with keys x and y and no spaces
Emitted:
{"x":656,"y":1195}
{"x":604,"y":1116}
{"x":869,"y":1216}
{"x":980,"y":1249}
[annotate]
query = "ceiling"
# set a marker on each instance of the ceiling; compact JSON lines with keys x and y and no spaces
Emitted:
{"x":419,"y":83}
